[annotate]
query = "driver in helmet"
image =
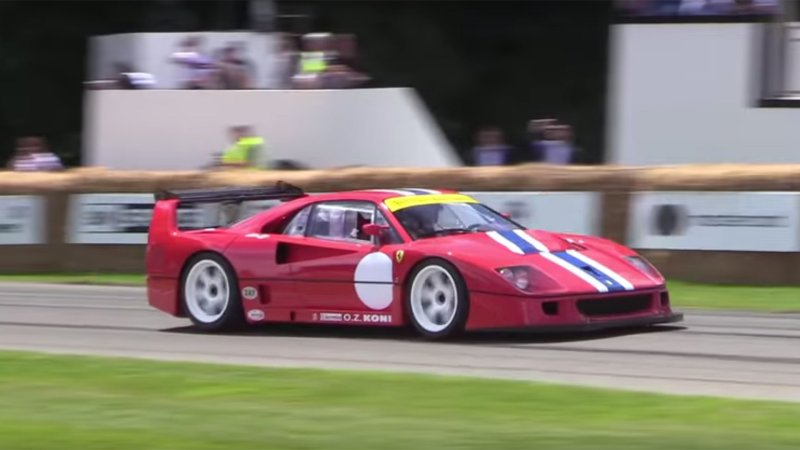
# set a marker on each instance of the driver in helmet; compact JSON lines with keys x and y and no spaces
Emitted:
{"x":422,"y":220}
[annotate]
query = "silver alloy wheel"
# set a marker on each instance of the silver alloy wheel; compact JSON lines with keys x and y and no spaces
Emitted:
{"x":207,"y":291}
{"x":434,"y":298}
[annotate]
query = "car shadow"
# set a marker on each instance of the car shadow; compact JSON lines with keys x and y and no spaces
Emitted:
{"x":408,"y":335}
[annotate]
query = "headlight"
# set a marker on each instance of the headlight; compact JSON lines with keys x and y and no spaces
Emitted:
{"x":519,"y":276}
{"x":642,"y":264}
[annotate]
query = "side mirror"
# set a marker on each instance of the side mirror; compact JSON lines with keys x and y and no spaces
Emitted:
{"x":506,"y":215}
{"x":374,"y":230}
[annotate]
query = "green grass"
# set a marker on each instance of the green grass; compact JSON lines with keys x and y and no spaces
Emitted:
{"x":684,"y":295}
{"x":84,"y":278}
{"x":60,"y":402}
{"x":746,"y":298}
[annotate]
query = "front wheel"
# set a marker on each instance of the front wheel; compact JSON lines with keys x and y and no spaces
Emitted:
{"x":437,"y":299}
{"x":211,"y":294}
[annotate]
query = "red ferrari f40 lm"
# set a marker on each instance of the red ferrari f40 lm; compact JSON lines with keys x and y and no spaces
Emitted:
{"x":439,"y":261}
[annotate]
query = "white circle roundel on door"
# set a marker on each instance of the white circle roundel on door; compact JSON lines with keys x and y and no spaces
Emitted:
{"x":373,"y":280}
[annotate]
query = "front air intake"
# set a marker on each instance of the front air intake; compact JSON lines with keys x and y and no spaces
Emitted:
{"x":615,"y":306}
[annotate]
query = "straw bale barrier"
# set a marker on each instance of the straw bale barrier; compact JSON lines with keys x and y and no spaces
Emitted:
{"x":515,"y":178}
{"x":527,"y":177}
{"x":615,"y":183}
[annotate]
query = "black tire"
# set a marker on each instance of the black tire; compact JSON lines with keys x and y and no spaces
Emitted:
{"x":231,"y":315}
{"x":427,"y":326}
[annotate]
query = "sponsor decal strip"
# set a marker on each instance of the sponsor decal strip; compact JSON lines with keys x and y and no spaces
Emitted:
{"x":353,"y":317}
{"x":398,"y":203}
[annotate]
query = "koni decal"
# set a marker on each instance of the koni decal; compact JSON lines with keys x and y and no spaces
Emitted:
{"x":354,"y":317}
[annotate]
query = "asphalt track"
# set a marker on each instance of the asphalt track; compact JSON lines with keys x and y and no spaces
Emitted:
{"x":723,"y":354}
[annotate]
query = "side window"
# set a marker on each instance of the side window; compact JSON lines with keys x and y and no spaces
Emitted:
{"x":340,"y":221}
{"x":297,"y":226}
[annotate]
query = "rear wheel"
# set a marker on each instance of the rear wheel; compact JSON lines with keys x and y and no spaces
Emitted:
{"x":211,"y":294}
{"x":437,"y":300}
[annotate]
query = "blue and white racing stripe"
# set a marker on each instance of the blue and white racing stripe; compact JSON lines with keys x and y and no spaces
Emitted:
{"x":614,"y":276}
{"x":502,"y":240}
{"x":518,"y":241}
{"x":610,"y":280}
{"x":577,"y":271}
{"x":530,"y":240}
{"x":599,"y":276}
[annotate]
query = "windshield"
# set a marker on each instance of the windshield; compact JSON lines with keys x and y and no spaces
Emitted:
{"x":441,"y":219}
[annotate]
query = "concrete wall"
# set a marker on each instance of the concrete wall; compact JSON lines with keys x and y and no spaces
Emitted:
{"x":179,"y":129}
{"x":686,"y":93}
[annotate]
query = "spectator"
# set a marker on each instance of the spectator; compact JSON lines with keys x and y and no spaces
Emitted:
{"x":287,"y":60}
{"x":346,"y":55}
{"x":341,"y":70}
{"x":247,"y":149}
{"x":32,"y":155}
{"x":313,"y":60}
{"x":235,"y":72}
{"x":490,"y":148}
{"x":536,"y":129}
{"x":557,"y":146}
{"x":198,"y":67}
{"x":240,"y":54}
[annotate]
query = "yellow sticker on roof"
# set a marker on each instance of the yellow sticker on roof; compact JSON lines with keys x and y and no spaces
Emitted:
{"x":398,"y":203}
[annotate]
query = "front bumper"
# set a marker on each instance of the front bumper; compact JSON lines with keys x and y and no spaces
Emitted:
{"x":571,"y":312}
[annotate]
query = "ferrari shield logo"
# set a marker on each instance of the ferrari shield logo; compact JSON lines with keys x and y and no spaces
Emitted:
{"x":399,"y":256}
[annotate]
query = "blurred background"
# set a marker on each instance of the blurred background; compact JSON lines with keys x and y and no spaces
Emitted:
{"x":488,"y":83}
{"x":478,"y":68}
{"x":481,"y":66}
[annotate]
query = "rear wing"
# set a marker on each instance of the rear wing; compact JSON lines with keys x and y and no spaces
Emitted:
{"x":164,"y":222}
{"x":281,"y":191}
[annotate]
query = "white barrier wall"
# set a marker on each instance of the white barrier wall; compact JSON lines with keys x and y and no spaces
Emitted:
{"x":182,"y":129}
{"x":721,"y":221}
{"x":22,"y":220}
{"x":686,"y":93}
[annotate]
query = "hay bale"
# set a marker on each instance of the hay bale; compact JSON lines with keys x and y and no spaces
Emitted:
{"x":720,"y":177}
{"x":526,"y":177}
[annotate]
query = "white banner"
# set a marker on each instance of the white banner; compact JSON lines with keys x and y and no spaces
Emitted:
{"x":21,"y":220}
{"x":737,"y":221}
{"x":566,"y":212}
